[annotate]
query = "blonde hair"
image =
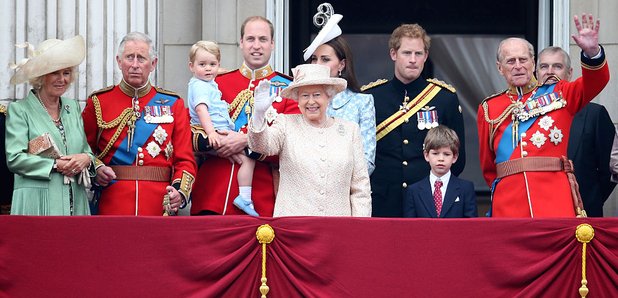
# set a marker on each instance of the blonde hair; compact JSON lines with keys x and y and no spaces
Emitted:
{"x":37,"y":82}
{"x":440,"y":137}
{"x":206,"y":45}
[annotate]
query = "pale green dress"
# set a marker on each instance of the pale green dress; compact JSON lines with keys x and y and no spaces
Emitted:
{"x":38,"y":190}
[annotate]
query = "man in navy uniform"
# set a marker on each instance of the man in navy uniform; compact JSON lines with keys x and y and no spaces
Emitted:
{"x":407,"y":107}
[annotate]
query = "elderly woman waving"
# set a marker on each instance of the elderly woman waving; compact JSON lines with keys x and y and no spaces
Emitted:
{"x":323,"y":169}
{"x":46,"y":145}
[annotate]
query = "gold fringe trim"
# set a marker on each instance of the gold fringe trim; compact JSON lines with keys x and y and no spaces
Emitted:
{"x":442,"y":84}
{"x":238,"y":102}
{"x":373,"y":84}
{"x":120,"y":122}
{"x":584,"y":234}
{"x":265,"y":234}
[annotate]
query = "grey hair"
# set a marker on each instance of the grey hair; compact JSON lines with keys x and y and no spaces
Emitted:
{"x":137,"y":36}
{"x":331,"y":91}
{"x":553,"y":50}
{"x":499,"y":56}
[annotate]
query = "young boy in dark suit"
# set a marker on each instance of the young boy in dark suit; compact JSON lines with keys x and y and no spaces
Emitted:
{"x":440,"y":194}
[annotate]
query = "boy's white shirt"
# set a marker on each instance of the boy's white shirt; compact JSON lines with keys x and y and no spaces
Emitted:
{"x":445,"y":179}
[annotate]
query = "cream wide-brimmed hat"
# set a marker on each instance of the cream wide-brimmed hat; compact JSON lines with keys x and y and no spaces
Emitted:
{"x":328,"y":32}
{"x":310,"y":75}
{"x":51,"y":55}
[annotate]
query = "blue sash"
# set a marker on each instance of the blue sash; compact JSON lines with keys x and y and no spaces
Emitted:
{"x":278,"y":83}
{"x":242,"y":119}
{"x":142,"y":132}
{"x":506,"y":147}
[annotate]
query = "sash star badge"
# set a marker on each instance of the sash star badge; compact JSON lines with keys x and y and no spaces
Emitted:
{"x":538,"y":139}
{"x":546,"y":122}
{"x":555,"y":135}
{"x":160,"y":135}
{"x":153,"y":149}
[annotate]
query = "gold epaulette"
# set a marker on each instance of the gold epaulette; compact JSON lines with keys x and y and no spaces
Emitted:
{"x":442,"y":84}
{"x":2,"y":109}
{"x":373,"y":84}
{"x":168,"y":92}
{"x":102,"y":90}
{"x":494,"y":95}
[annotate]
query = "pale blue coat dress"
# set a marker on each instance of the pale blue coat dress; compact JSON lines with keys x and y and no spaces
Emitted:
{"x":358,"y":108}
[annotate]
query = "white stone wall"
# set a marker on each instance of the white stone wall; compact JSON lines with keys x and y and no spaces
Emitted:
{"x":606,"y":11}
{"x":102,"y":23}
{"x":216,"y":20}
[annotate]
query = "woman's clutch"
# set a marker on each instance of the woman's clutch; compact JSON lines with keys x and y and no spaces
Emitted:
{"x":44,"y":146}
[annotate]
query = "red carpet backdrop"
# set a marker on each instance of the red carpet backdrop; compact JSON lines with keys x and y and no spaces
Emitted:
{"x":219,"y":256}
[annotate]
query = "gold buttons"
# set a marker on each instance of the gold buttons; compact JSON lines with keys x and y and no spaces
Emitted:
{"x":405,"y":163}
{"x":405,"y":142}
{"x":139,"y":149}
{"x":140,"y":162}
{"x":141,"y":155}
{"x":404,"y":185}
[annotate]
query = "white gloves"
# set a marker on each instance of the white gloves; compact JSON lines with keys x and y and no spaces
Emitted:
{"x":262,"y":100}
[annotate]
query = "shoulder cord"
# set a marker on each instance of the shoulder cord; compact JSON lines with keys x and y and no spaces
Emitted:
{"x":120,"y":122}
{"x":495,"y":123}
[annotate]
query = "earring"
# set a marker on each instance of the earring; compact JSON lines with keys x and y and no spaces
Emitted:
{"x":340,"y":73}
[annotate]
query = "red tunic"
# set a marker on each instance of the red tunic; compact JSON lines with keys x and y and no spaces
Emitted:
{"x":549,"y":192}
{"x":132,"y":197}
{"x":216,"y":181}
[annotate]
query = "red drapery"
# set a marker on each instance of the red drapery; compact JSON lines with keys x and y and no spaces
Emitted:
{"x":217,"y":256}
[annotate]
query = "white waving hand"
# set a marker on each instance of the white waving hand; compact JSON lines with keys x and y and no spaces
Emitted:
{"x":262,"y":100}
{"x":587,"y":37}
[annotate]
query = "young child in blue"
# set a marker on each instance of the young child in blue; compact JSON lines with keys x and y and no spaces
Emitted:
{"x":207,"y":109}
{"x":440,"y":194}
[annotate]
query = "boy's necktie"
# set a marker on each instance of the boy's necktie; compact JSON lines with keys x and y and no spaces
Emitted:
{"x":437,"y":196}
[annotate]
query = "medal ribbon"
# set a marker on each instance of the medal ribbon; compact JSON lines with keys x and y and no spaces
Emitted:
{"x":411,"y":109}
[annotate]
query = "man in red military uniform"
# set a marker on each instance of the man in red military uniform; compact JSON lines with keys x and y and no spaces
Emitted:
{"x":216,"y":177}
{"x":524,"y":131}
{"x":142,"y":138}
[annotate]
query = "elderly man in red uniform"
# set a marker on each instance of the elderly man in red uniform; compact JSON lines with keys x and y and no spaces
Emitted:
{"x":142,"y":138}
{"x":216,"y":177}
{"x":524,"y":131}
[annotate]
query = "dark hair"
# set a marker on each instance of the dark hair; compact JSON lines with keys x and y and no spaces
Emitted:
{"x":439,"y":137}
{"x":343,"y":52}
{"x":257,"y":18}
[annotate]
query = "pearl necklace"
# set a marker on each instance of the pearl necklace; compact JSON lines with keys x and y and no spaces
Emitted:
{"x":56,"y":121}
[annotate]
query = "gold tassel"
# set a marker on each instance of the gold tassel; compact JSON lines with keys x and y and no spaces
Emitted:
{"x":584,"y":234}
{"x":265,"y":235}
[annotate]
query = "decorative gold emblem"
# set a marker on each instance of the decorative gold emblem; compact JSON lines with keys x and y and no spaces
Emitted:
{"x":265,"y":234}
